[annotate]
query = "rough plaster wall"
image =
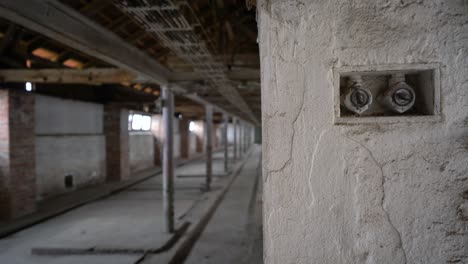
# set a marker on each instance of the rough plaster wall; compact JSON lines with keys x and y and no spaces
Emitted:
{"x":69,"y":141}
{"x":60,"y":116}
{"x":56,"y":157}
{"x":141,"y":151}
{"x":387,"y":193}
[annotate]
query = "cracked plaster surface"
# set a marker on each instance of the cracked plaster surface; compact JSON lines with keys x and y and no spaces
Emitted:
{"x":375,"y":193}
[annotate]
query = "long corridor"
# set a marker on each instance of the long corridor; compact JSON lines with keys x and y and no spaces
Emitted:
{"x":126,"y":227}
{"x":234,"y":234}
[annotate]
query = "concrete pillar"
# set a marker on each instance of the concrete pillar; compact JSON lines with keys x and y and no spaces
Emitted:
{"x":234,"y":139}
{"x":247,"y":140}
{"x":239,"y":141}
{"x":117,"y":147}
{"x":225,"y":142}
{"x":184,"y":138}
{"x":209,"y":145}
{"x":17,"y":154}
{"x":168,"y":160}
{"x":242,"y":138}
{"x":250,"y":135}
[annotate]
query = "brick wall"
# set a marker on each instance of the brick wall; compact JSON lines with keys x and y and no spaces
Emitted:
{"x":117,"y":147}
{"x":17,"y":154}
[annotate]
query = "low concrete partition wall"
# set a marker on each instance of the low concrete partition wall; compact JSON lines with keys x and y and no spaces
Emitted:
{"x":141,"y":151}
{"x":70,"y":145}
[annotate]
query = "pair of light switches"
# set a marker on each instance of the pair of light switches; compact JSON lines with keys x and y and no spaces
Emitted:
{"x":387,"y":93}
{"x":399,"y":97}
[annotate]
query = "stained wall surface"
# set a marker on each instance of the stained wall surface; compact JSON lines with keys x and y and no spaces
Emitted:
{"x":69,"y":141}
{"x":373,"y":193}
{"x":141,"y":151}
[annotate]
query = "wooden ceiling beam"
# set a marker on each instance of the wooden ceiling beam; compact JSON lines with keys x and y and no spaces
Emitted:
{"x":65,"y":25}
{"x":69,"y":27}
{"x":86,"y":76}
{"x":238,"y":75}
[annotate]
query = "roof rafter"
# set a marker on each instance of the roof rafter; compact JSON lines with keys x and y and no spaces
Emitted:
{"x":63,"y":24}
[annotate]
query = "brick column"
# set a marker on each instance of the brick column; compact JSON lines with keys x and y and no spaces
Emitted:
{"x":117,"y":149}
{"x":184,"y":138}
{"x":17,"y":154}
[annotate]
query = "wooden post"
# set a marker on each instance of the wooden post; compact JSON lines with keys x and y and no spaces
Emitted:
{"x":168,"y":166}
{"x":209,"y":145}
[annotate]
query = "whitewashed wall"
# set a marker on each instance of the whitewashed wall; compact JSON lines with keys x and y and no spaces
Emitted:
{"x":374,"y":193}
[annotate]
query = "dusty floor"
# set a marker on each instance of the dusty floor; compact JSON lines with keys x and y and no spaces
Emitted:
{"x":129,"y":220}
{"x":233,"y":235}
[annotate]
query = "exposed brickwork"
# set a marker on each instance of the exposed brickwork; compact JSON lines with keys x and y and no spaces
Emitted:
{"x":117,"y":146}
{"x":17,"y":154}
{"x":184,"y":138}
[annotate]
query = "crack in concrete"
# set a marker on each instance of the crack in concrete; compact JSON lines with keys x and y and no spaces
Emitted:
{"x":312,"y":166}
{"x":387,"y":215}
{"x":288,"y":161}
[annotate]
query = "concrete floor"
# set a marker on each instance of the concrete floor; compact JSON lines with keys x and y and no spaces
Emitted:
{"x":233,"y":235}
{"x":129,"y":220}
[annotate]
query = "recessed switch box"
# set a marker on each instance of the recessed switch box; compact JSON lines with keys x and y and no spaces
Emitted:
{"x":387,"y":93}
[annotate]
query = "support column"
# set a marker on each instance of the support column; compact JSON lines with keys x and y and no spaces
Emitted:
{"x":168,"y":162}
{"x":250,"y":136}
{"x":117,"y":147}
{"x":246,"y":136}
{"x":17,"y":154}
{"x":209,"y":145}
{"x":225,"y":142}
{"x":234,"y":126}
{"x":242,"y":139}
{"x":184,"y":138}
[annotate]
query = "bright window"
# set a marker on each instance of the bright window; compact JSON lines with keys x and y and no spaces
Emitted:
{"x":192,"y":126}
{"x":145,"y":123}
{"x":138,"y":122}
